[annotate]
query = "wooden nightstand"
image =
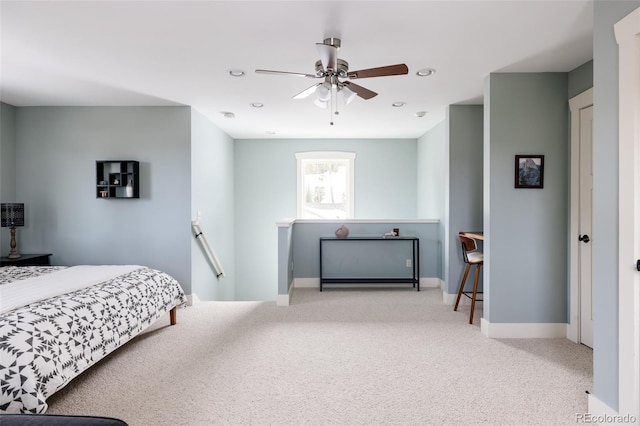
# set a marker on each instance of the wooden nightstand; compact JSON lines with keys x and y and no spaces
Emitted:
{"x":27,"y":260}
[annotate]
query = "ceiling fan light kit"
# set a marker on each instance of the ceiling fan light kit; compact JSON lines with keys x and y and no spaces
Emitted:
{"x":336,"y":75}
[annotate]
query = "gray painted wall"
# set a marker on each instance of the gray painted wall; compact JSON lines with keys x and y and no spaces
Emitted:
{"x":464,"y":186}
{"x":580,"y":79}
{"x":526,"y":242}
{"x":605,"y":198}
{"x":265,"y":193}
{"x":431,"y":172}
{"x":56,"y":151}
{"x":450,"y":167}
{"x":432,"y":169}
{"x":285,"y":258}
{"x":212,"y":197}
{"x":7,"y":167}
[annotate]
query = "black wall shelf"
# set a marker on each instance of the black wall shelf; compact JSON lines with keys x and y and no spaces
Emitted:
{"x":117,"y":179}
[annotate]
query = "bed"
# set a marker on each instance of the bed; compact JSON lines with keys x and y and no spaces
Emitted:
{"x":55,"y":322}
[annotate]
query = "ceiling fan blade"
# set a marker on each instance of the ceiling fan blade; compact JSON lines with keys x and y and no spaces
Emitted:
{"x":398,"y":69}
{"x":295,"y":74}
{"x":306,"y":92}
{"x":360,"y":91}
{"x":328,"y":56}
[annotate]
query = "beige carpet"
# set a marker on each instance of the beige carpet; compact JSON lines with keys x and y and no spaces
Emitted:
{"x":340,"y":357}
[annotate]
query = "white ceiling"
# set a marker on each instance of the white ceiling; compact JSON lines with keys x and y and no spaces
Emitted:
{"x":180,"y":53}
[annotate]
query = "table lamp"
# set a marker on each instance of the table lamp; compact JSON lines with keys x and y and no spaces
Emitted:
{"x":12,"y":215}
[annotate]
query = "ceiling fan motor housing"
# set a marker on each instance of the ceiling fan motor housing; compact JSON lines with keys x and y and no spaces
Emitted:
{"x":332,"y":41}
{"x":343,"y":68}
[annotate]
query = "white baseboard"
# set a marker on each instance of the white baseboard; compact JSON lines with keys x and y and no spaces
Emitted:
{"x":283,"y":299}
{"x":450,"y":298}
{"x":306,"y":282}
{"x":430,"y":282}
{"x":601,"y":413}
{"x":192,"y":299}
{"x":523,"y":330}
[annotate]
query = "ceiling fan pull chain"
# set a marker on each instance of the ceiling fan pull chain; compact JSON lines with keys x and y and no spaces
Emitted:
{"x":331,"y":111}
{"x":333,"y":102}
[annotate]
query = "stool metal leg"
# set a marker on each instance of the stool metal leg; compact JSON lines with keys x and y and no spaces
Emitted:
{"x":475,"y":291}
{"x":461,"y":289}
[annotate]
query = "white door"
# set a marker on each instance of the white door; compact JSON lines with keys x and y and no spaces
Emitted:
{"x":580,"y":212}
{"x":584,"y":228}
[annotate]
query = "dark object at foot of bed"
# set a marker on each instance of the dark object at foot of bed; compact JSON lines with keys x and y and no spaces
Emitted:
{"x":57,"y":420}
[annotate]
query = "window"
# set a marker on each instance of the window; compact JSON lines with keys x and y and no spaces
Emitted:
{"x":325,"y":184}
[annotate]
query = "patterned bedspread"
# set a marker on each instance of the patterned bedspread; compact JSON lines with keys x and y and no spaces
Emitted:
{"x":10,"y":274}
{"x":44,"y":345}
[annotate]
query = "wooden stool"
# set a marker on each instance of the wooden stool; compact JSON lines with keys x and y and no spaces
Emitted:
{"x":471,"y":257}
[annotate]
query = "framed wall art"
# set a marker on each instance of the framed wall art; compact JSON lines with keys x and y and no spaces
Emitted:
{"x":529,"y":171}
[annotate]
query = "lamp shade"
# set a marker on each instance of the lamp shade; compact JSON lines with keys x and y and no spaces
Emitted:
{"x":323,"y":92}
{"x":12,"y":214}
{"x":347,"y":94}
{"x":321,"y":104}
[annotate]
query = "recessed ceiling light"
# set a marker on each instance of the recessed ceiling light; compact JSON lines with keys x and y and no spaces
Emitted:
{"x":228,"y":115}
{"x":425,"y":72}
{"x":236,"y":73}
{"x":257,"y":104}
{"x":398,"y":104}
{"x":421,"y":113}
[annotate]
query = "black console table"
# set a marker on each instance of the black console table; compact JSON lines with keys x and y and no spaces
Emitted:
{"x":415,"y":264}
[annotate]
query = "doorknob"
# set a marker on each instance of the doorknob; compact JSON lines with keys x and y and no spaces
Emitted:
{"x":584,"y":238}
{"x":638,"y":265}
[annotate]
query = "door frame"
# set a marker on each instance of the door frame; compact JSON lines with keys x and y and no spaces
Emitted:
{"x":627,"y":33}
{"x":578,"y":102}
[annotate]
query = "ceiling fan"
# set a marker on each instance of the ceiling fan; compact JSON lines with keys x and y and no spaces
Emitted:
{"x":336,"y":75}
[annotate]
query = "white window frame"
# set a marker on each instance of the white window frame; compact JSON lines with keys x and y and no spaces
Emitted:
{"x":326,"y":155}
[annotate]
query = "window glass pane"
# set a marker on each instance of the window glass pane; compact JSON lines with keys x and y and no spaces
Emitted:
{"x":325,"y":184}
{"x":325,"y":189}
